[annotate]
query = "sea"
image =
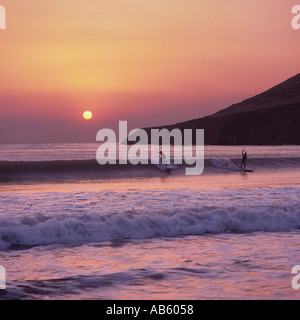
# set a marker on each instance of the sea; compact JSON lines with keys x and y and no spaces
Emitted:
{"x":71,"y":229}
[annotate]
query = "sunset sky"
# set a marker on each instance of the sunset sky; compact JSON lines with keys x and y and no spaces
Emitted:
{"x":151,"y":62}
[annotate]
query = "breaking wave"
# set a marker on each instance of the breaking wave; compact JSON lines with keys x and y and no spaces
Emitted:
{"x":41,"y":229}
{"x":36,"y":171}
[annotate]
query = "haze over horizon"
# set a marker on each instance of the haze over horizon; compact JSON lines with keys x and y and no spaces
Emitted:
{"x":148,"y":62}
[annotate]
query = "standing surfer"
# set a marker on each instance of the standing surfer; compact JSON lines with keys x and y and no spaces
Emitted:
{"x":162,"y":158}
{"x":244,"y":159}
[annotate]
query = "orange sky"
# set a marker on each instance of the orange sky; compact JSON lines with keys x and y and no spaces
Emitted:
{"x":151,"y":62}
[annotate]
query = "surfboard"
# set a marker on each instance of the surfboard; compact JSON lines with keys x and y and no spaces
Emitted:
{"x":167,"y":167}
{"x":246,"y":170}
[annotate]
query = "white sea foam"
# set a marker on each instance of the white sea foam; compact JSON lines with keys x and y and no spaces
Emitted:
{"x":62,"y":228}
{"x":42,"y":217}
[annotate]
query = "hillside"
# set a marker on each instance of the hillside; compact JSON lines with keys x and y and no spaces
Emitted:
{"x":270,"y":118}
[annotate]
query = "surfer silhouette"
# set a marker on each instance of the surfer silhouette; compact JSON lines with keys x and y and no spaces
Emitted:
{"x":162,"y":158}
{"x":244,"y":159}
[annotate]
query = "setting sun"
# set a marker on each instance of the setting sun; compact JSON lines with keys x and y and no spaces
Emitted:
{"x":87,"y":115}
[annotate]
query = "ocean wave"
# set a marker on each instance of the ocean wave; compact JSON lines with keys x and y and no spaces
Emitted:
{"x":41,"y":229}
{"x":91,"y":169}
